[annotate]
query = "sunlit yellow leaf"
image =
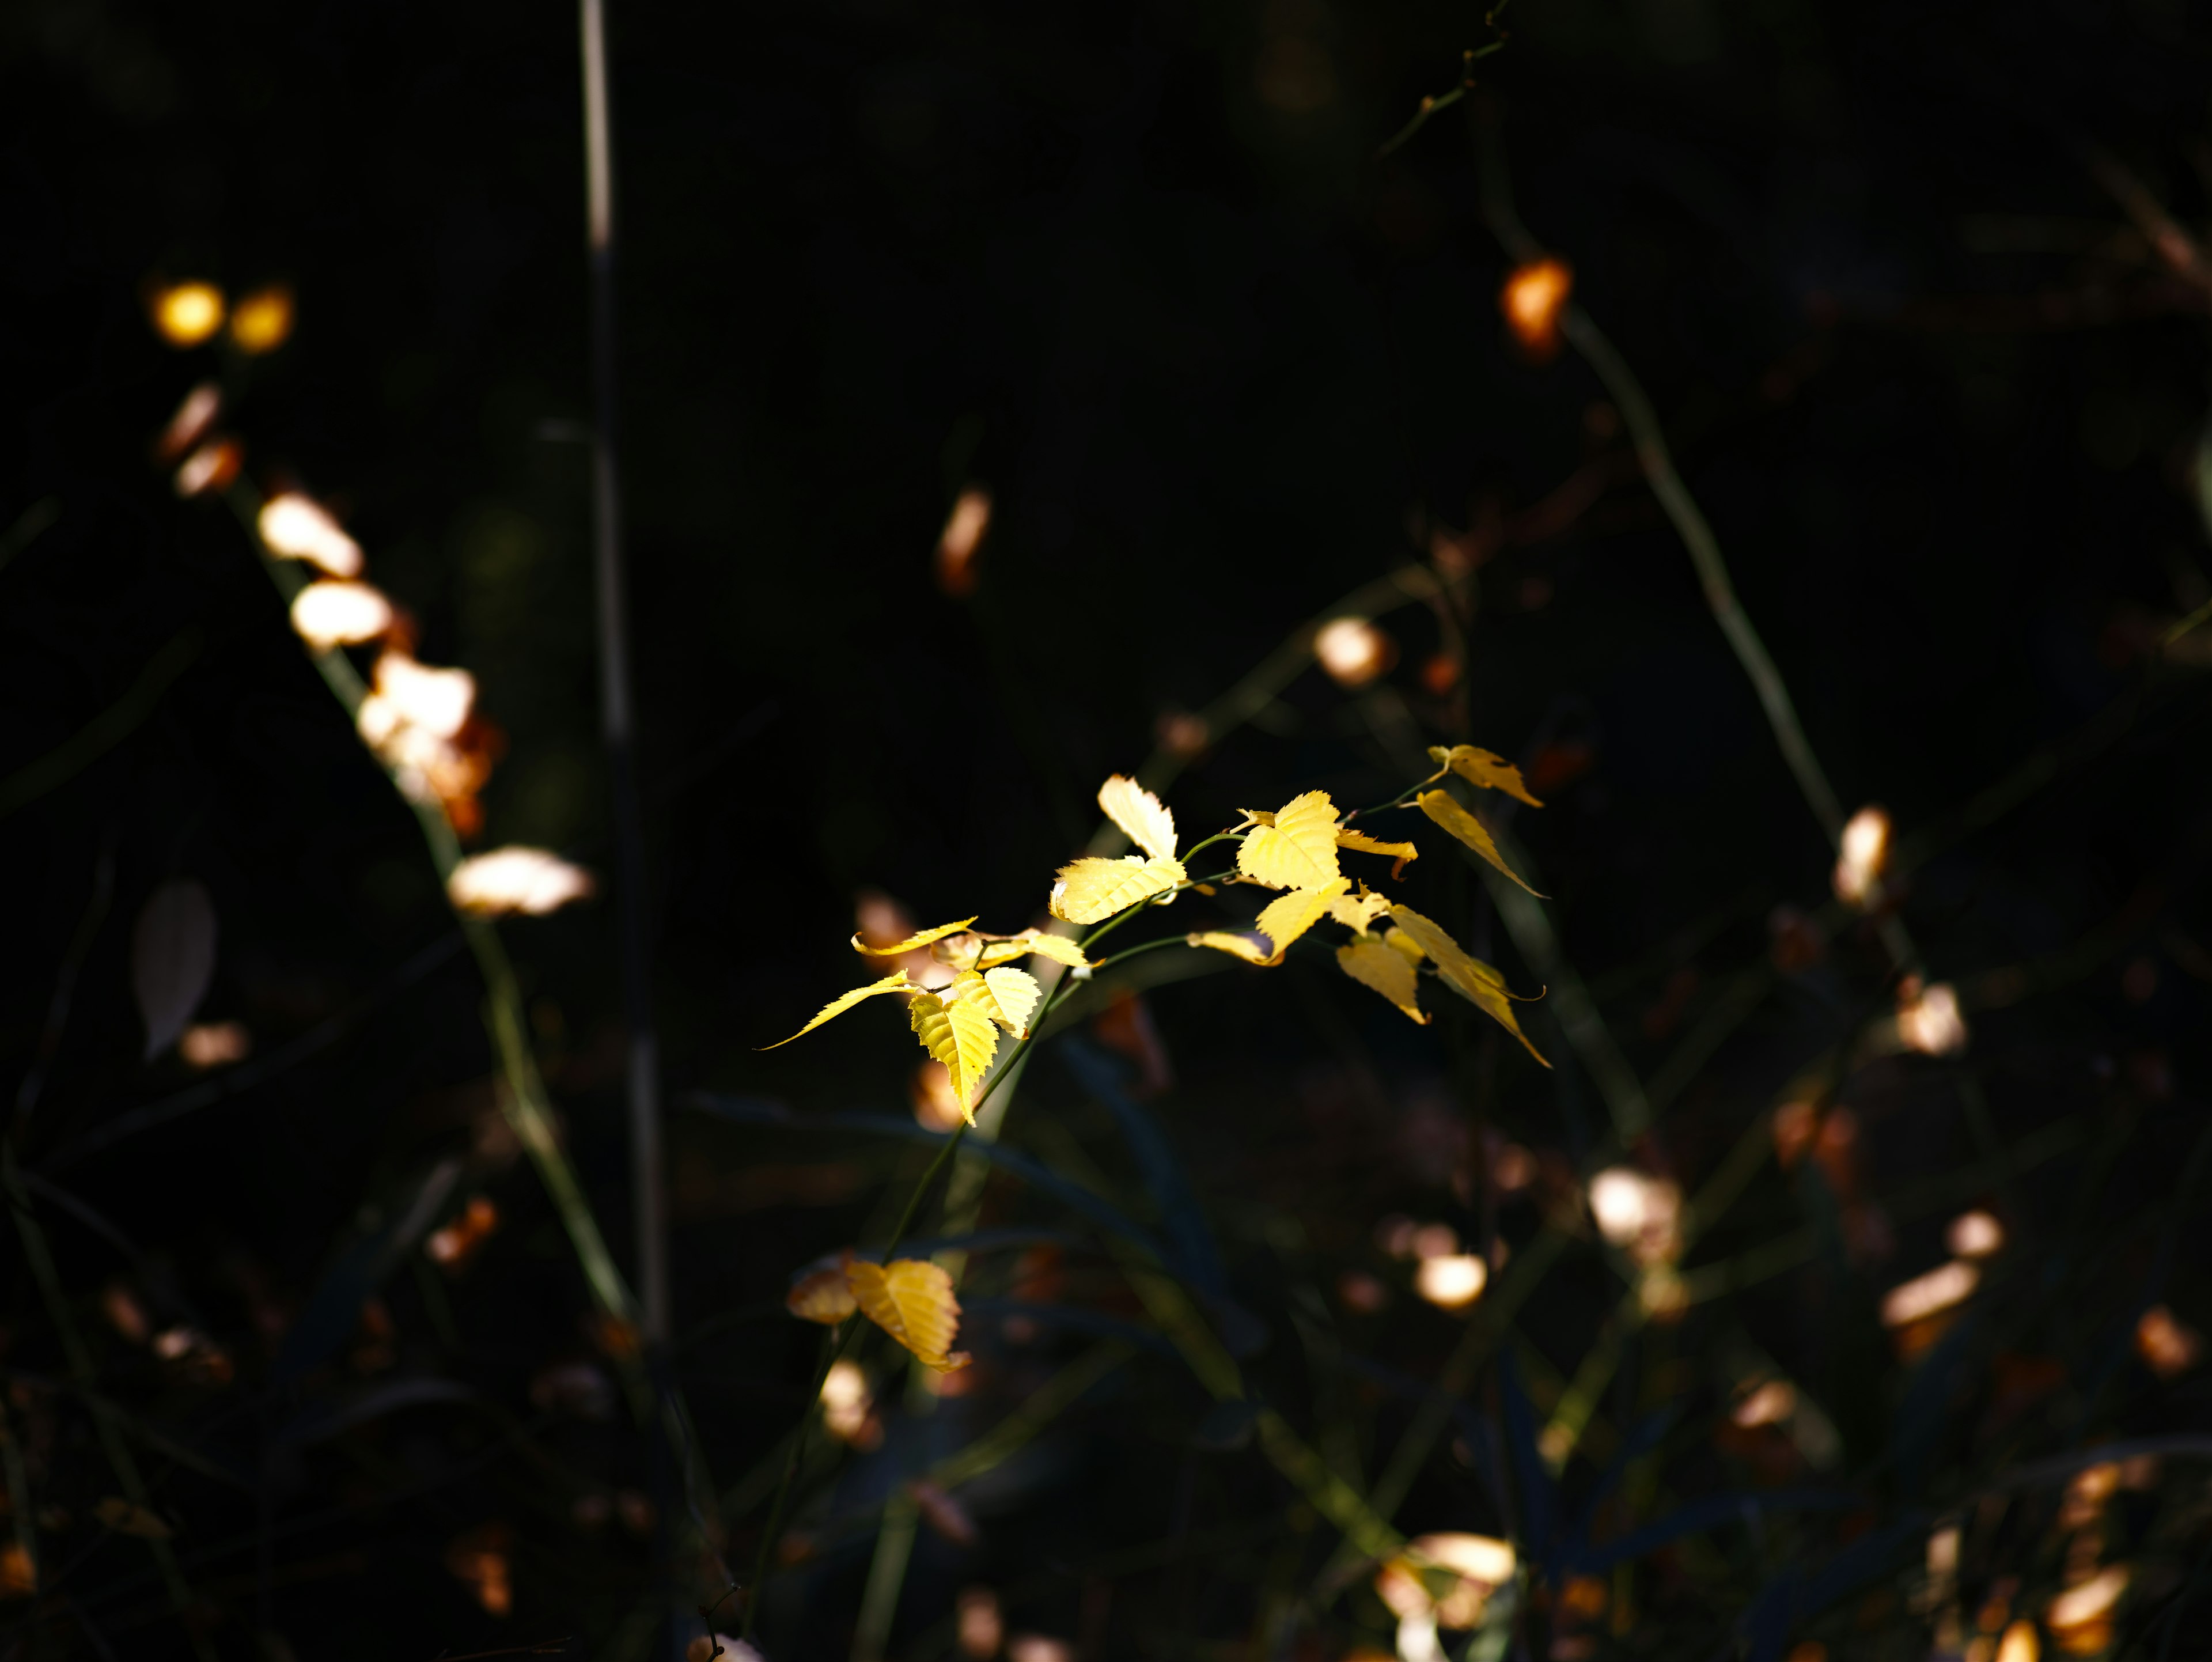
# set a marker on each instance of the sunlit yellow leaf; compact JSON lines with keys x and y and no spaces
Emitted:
{"x":1249,"y":946}
{"x":1299,"y":851}
{"x":1372,"y":964}
{"x":1092,"y":890}
{"x":958,"y":1031}
{"x":1466,"y":975}
{"x":1399,"y":941}
{"x":821,"y":1293}
{"x":913,"y":942}
{"x":1359,"y":914}
{"x":1480,"y":767}
{"x":1015,"y":994}
{"x":895,"y":982}
{"x":1035,"y":943}
{"x":1143,"y":819}
{"x":1286,"y":917}
{"x":1400,"y":853}
{"x":912,"y":1300}
{"x":1442,"y":807}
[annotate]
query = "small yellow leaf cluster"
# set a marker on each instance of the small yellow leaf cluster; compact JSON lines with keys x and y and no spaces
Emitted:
{"x":910,"y":1299}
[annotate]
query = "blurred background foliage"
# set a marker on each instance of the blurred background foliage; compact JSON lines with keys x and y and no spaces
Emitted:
{"x":1141,"y":273}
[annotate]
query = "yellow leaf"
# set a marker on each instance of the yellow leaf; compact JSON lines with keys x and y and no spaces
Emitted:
{"x":1480,"y":767}
{"x":912,"y":1300}
{"x":1060,"y":949}
{"x":1466,"y":975}
{"x":1359,"y":914}
{"x":1092,"y":890}
{"x":956,"y":1032}
{"x":913,"y":942}
{"x":821,"y":1293}
{"x":1299,"y":851}
{"x":1141,"y":816}
{"x":1372,"y":964}
{"x":1400,"y":853}
{"x":1399,"y":941}
{"x":895,"y":982}
{"x":1286,"y":917}
{"x":1236,"y":943}
{"x":1015,"y":993}
{"x":119,"y":1515}
{"x":1442,"y":807}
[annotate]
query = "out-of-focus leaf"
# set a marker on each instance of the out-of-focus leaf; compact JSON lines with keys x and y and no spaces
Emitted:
{"x":119,"y":1514}
{"x":894,"y":983}
{"x":1442,"y":807}
{"x":911,"y":1299}
{"x":820,"y":1293}
{"x":1191,"y":1252}
{"x":1359,"y":913}
{"x":758,"y":1110}
{"x":1485,"y":768}
{"x":1141,"y":816}
{"x":328,"y":1419}
{"x":1091,"y":890}
{"x":172,"y":959}
{"x":913,"y":942}
{"x":1249,"y":945}
{"x":1466,"y":975}
{"x":334,"y":1309}
{"x":1057,"y":947}
{"x":1298,"y":851}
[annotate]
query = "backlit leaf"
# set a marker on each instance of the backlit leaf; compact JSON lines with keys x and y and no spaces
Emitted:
{"x":1359,"y":914}
{"x":1299,"y":851}
{"x":1480,"y":767}
{"x":1466,"y":975}
{"x":1442,"y":807}
{"x":172,"y":959}
{"x":913,"y":942}
{"x":1141,"y":816}
{"x":957,"y":1031}
{"x":1015,"y":993}
{"x":1092,"y":890}
{"x":1286,"y":917}
{"x":911,"y":1299}
{"x":1034,"y":943}
{"x":1249,"y":945}
{"x":894,"y":983}
{"x":1400,"y":853}
{"x":821,"y":1293}
{"x":1372,"y":964}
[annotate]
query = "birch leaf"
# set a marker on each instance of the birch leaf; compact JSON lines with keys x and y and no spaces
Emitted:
{"x":1286,"y":917}
{"x":1015,"y":993}
{"x":1092,"y":890}
{"x":1035,"y":943}
{"x":1372,"y":964}
{"x":1443,"y":807}
{"x":1482,"y":767}
{"x":1359,"y":914}
{"x":1399,"y":941}
{"x":894,"y":983}
{"x":821,"y":1293}
{"x":1142,"y":817}
{"x":1299,"y":851}
{"x":1400,"y":853}
{"x":913,"y":942}
{"x":172,"y":959}
{"x":1466,"y":975}
{"x":912,"y":1300}
{"x":958,"y":1031}
{"x":1247,"y":945}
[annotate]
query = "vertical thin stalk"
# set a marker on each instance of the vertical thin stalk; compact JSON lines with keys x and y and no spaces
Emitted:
{"x":617,"y":717}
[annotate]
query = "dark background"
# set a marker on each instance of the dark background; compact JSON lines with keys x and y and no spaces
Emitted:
{"x":1142,"y":271}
